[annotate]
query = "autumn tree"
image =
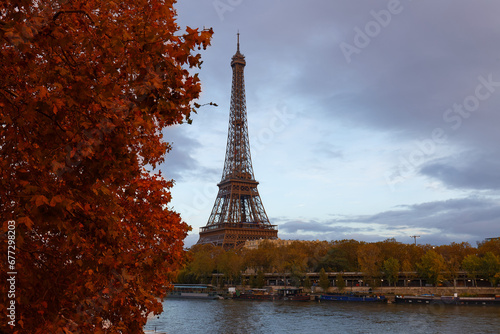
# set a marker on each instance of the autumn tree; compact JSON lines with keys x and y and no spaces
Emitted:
{"x":453,"y":255}
{"x":390,"y":248}
{"x":370,"y":262}
{"x":407,"y":271}
{"x":413,"y":253}
{"x":230,"y":263}
{"x":455,"y":251}
{"x":262,"y":258}
{"x":203,"y":262}
{"x":86,"y":89}
{"x":295,"y":261}
{"x":491,"y":245}
{"x":280,"y":262}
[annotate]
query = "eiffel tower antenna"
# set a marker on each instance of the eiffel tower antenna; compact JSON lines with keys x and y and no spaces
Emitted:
{"x":238,"y":47}
{"x":238,"y":214}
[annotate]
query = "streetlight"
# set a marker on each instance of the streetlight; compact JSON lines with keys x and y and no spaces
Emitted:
{"x":415,"y":237}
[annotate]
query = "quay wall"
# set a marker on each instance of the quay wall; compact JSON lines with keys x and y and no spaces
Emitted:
{"x":410,"y":291}
{"x":438,"y":291}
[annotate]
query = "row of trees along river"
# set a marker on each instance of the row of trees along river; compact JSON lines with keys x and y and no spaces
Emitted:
{"x":380,"y":260}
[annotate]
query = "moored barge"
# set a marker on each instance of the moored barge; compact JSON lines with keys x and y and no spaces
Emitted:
{"x":352,"y":298}
{"x":294,"y":294}
{"x":193,"y":291}
{"x":255,"y":294}
{"x":448,"y":300}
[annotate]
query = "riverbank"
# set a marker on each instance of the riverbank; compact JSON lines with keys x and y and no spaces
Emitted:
{"x":390,"y":292}
{"x":387,"y":290}
{"x":438,"y":291}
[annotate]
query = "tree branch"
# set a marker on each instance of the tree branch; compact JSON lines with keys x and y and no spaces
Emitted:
{"x":55,"y":17}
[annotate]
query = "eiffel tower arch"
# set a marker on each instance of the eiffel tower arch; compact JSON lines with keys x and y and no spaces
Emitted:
{"x":238,"y":213}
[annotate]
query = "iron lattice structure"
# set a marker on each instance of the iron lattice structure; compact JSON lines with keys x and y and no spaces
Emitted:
{"x":238,"y":214}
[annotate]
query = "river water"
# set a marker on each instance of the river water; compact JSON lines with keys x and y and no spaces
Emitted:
{"x":237,"y":316}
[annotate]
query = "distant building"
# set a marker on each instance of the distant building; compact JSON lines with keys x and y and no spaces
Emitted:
{"x":254,"y":244}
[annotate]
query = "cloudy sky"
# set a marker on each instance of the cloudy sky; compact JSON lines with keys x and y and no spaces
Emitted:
{"x":367,"y":119}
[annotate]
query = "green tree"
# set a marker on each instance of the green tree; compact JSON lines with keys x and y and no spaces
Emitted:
{"x":431,"y":267}
{"x":472,"y":265}
{"x":187,"y":277}
{"x":260,"y":280}
{"x":335,"y":260}
{"x":324,"y":281}
{"x":203,"y":262}
{"x":340,"y":282}
{"x":307,"y":283}
{"x":213,"y":281}
{"x":296,"y":275}
{"x":350,"y":250}
{"x":391,"y":270}
{"x":490,"y":267}
{"x":253,"y":281}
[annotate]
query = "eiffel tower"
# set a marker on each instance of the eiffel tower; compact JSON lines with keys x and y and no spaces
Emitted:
{"x":238,"y":214}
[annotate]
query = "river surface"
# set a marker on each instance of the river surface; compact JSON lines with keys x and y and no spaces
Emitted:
{"x":237,"y":316}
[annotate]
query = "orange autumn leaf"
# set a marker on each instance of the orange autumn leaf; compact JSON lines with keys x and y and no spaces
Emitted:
{"x":41,"y":200}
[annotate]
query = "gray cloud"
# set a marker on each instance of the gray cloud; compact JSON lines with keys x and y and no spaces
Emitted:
{"x":472,"y":216}
{"x":328,"y":151}
{"x":467,"y":171}
{"x":180,"y":162}
{"x":455,"y":220}
{"x":305,"y":227}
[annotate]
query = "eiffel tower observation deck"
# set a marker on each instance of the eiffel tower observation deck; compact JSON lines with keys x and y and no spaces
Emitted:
{"x":238,"y":214}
